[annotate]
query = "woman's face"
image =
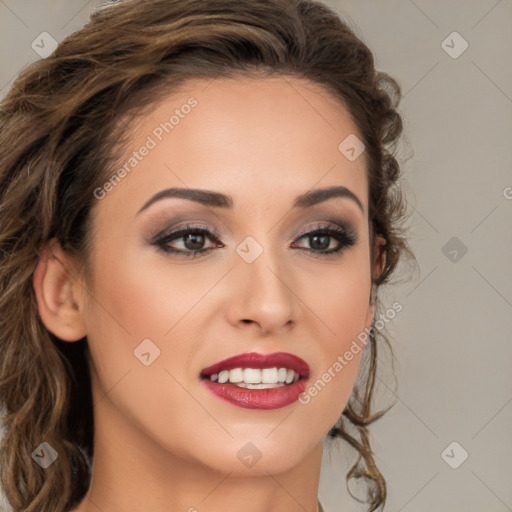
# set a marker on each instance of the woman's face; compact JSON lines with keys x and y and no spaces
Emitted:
{"x":164,"y":307}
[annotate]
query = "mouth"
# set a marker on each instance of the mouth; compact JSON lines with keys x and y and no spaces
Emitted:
{"x":257,"y":381}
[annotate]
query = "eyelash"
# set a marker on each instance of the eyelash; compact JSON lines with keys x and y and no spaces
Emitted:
{"x":345,"y":236}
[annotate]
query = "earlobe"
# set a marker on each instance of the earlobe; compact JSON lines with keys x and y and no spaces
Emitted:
{"x":60,"y":311}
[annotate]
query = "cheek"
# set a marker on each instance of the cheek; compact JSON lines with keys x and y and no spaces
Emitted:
{"x":125,"y":308}
{"x":340,"y":300}
{"x":143,"y":296}
{"x":134,"y":302}
{"x":136,"y":298}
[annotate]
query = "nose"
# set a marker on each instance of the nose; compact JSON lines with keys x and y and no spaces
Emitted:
{"x":262,"y":296}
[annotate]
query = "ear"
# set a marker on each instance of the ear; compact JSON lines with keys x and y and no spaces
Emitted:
{"x":57,"y":294}
{"x":379,"y":256}
{"x":377,"y":268}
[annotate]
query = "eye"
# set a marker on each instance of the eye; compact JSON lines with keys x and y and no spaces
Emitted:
{"x":328,"y":239}
{"x":193,"y":241}
{"x":188,"y":241}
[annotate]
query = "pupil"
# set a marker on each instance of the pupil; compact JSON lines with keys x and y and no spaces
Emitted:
{"x":320,"y":242}
{"x":196,"y":241}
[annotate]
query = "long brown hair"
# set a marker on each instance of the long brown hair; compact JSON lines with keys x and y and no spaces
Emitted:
{"x":59,"y":140}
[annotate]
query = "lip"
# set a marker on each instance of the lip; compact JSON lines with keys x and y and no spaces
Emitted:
{"x":263,"y":399}
{"x":259,"y":361}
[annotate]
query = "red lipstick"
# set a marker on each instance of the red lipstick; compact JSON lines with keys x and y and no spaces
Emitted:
{"x":278,"y":394}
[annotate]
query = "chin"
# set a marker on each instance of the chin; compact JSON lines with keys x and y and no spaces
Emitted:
{"x":258,"y":455}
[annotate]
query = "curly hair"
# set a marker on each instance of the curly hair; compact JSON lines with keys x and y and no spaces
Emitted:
{"x":59,"y":137}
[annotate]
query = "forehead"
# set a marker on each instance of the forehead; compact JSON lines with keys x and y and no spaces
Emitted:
{"x":251,"y":138}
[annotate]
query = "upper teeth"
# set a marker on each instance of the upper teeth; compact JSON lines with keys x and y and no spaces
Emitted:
{"x":242,"y":376}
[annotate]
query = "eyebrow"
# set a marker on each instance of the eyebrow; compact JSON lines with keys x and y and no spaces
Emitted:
{"x":218,"y":200}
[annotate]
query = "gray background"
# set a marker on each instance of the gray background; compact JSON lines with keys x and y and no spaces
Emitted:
{"x":452,"y":339}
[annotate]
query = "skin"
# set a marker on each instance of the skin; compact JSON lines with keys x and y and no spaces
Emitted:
{"x":163,"y":442}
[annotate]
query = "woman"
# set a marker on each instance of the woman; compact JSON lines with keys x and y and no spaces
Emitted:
{"x":199,"y":204}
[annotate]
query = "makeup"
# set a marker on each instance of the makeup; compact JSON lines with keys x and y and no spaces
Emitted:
{"x":258,"y":381}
